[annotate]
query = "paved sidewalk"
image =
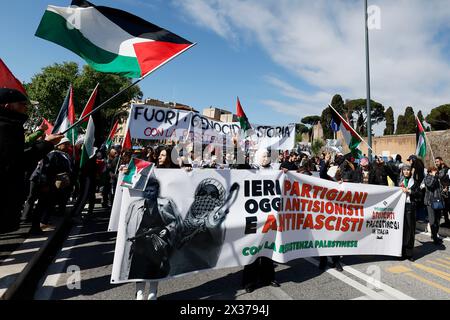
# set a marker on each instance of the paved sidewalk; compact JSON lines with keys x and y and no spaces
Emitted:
{"x":422,"y":227}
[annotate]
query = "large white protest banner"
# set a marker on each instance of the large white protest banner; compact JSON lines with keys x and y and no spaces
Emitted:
{"x":117,"y":203}
{"x":153,"y":123}
{"x":189,"y":221}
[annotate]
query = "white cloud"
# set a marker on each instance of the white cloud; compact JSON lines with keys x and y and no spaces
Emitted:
{"x":206,"y":15}
{"x":290,"y":109}
{"x":322,"y":43}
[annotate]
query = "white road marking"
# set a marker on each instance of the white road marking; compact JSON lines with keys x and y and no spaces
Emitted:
{"x":24,"y":251}
{"x":362,"y":298}
{"x":355,"y":284}
{"x":87,"y":245}
{"x":391,"y":291}
{"x":49,"y":282}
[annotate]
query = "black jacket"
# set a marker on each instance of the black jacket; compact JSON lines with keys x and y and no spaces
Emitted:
{"x":291,"y":166}
{"x":433,"y":189}
{"x":14,"y":161}
{"x":378,"y":175}
{"x":56,"y":162}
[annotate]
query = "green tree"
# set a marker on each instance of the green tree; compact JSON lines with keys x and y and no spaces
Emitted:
{"x":420,"y":116}
{"x":357,"y":109}
{"x":390,"y":126}
{"x":311,"y":120}
{"x":422,"y":120}
{"x":439,"y":118}
{"x":300,"y":129}
{"x":49,"y":88}
{"x":316,"y":146}
{"x":410,"y":119}
{"x":401,"y":124}
{"x":406,"y":123}
{"x":325,"y":119}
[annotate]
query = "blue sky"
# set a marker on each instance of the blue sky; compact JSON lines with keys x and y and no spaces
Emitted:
{"x":285,"y":59}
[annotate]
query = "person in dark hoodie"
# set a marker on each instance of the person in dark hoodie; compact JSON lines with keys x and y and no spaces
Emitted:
{"x":15,"y":157}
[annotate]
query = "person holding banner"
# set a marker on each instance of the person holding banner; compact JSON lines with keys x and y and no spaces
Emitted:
{"x":412,"y":191}
{"x":262,"y":270}
{"x":418,"y":173}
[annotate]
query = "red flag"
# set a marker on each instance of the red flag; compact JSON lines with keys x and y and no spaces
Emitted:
{"x":113,"y":130}
{"x":49,"y":125}
{"x":111,"y":135}
{"x":127,"y":141}
{"x":90,"y":104}
{"x":8,"y":80}
{"x":245,"y":124}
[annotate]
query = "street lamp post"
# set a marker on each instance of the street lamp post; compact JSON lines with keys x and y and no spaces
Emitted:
{"x":369,"y":121}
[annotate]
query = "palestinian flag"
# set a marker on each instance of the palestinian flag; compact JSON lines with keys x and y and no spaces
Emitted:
{"x":89,"y":106}
{"x":66,"y":117}
{"x":350,"y":135}
{"x":49,"y":125}
{"x":110,"y":40}
{"x":111,"y":135}
{"x":138,"y":172}
{"x":421,"y":149}
{"x":88,"y":150}
{"x":127,"y":144}
{"x":243,"y":120}
{"x":10,"y":86}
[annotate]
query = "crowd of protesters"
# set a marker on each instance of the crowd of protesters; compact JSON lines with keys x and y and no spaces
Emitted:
{"x":426,"y":189}
{"x":53,"y":176}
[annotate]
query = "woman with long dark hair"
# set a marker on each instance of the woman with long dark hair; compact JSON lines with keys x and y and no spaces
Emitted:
{"x":165,"y":158}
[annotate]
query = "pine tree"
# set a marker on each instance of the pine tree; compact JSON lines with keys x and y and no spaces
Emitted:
{"x":390,"y":126}
{"x":338,"y":103}
{"x":400,"y":124}
{"x":406,"y":123}
{"x":410,"y":119}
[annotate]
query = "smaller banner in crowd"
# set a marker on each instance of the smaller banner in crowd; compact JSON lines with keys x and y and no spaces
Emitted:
{"x":184,"y":222}
{"x":152,"y":123}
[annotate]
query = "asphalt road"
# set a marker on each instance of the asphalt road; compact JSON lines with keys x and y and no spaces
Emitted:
{"x":82,"y":269}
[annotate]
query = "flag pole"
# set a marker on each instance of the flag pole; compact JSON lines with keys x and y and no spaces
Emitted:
{"x":102,"y":105}
{"x":342,"y":119}
{"x":125,"y":89}
{"x":73,"y":145}
{"x":368,"y":107}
